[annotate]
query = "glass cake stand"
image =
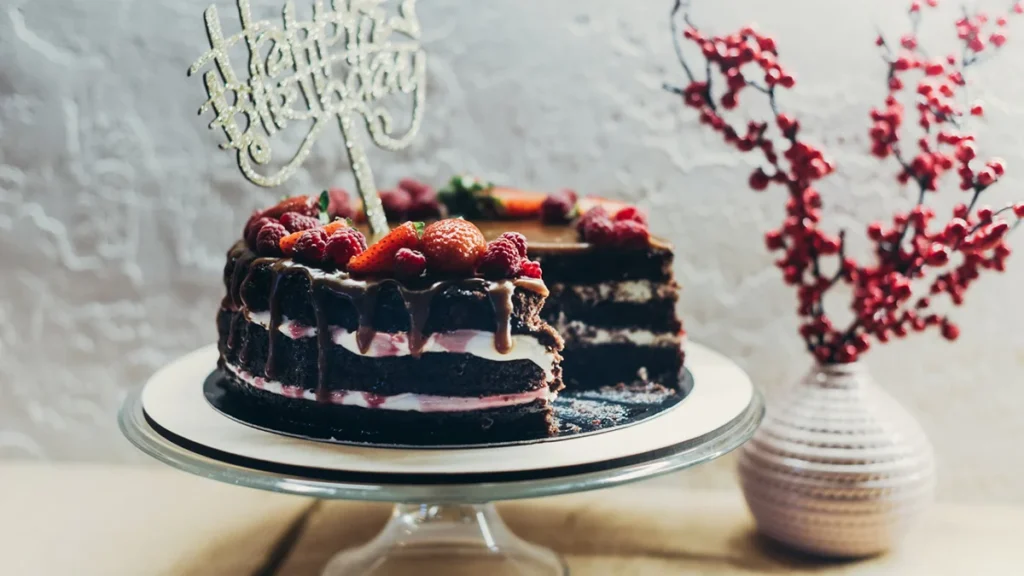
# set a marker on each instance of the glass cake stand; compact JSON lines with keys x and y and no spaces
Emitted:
{"x":441,"y":523}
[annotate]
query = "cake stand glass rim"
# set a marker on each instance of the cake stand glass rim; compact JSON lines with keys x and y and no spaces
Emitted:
{"x":138,"y":431}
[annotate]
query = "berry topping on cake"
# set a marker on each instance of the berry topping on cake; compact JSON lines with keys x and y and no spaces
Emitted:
{"x":588,"y":203}
{"x":425,"y":204}
{"x":305,"y":205}
{"x":631,"y":234}
{"x":500,"y":260}
{"x":632,"y":213}
{"x":311,"y":246}
{"x":530,"y":269}
{"x":296,"y":222}
{"x":627,"y":230}
{"x":518,"y":240}
{"x":558,"y":208}
{"x":396,"y":204}
{"x":409,"y":263}
{"x":253,"y":227}
{"x":453,"y":246}
{"x":344,"y":245}
{"x":339,"y":204}
{"x":287,"y":243}
{"x":512,"y":204}
{"x":379,"y":258}
{"x":268,"y":239}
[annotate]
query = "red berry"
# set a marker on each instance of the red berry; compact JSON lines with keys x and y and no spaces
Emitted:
{"x":598,"y":229}
{"x":379,"y":259}
{"x":340,"y":204}
{"x":631,"y":213}
{"x":631,"y":234}
{"x":595,"y":213}
{"x":295,"y":222}
{"x":268,"y":237}
{"x":950,"y":331}
{"x":1018,"y":210}
{"x":253,"y":228}
{"x":518,"y":240}
{"x":409,"y":263}
{"x":530,"y":269}
{"x":416,"y":189}
{"x":396,"y":204}
{"x":758,"y":180}
{"x":557,"y":208}
{"x":311,"y":246}
{"x":500,"y":260}
{"x":308,"y":205}
{"x":343,"y":245}
{"x":452,"y":246}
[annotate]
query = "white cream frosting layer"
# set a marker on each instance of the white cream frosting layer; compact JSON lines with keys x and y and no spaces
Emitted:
{"x":475,"y":342}
{"x":407,"y":402}
{"x":635,"y":291}
{"x":592,"y":335}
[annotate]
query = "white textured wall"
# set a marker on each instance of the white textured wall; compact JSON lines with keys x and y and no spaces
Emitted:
{"x":116,"y":208}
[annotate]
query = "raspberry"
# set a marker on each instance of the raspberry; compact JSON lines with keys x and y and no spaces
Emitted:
{"x":343,"y":245}
{"x":417,"y":189}
{"x":631,"y":213}
{"x":557,"y":208}
{"x":340,"y":205}
{"x":311,"y":246}
{"x":268,"y":237}
{"x":631,"y":234}
{"x":597,"y":228}
{"x":396,"y":204}
{"x":409,"y":263}
{"x":295,"y":222}
{"x":518,"y":240}
{"x":530,"y":269}
{"x":595,"y":213}
{"x":501,"y":260}
{"x":252,"y":230}
{"x":452,"y":246}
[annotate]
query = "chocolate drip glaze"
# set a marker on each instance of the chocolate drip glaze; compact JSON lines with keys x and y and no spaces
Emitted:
{"x":363,"y":295}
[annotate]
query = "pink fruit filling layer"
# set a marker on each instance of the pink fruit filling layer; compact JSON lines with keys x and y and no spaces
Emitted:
{"x":406,"y":402}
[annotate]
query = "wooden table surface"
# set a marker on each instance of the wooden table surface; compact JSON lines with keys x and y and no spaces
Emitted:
{"x":87,"y":520}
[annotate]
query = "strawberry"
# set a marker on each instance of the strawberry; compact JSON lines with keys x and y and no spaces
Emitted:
{"x":453,"y":246}
{"x":611,"y":206}
{"x":379,"y":258}
{"x":287,"y":243}
{"x":512,"y":204}
{"x":305,"y":205}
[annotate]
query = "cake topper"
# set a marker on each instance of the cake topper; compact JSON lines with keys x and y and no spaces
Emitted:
{"x":338,"y":65}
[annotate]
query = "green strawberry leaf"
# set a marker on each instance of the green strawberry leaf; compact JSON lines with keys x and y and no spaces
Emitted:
{"x":325,"y":201}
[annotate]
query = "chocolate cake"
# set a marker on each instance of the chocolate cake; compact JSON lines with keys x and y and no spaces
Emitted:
{"x":425,"y":337}
{"x":613,"y":295}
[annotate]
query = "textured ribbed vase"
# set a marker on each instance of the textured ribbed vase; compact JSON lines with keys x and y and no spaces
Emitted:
{"x":838,"y":468}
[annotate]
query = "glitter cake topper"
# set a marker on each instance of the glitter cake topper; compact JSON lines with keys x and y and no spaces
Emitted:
{"x":337,"y":65}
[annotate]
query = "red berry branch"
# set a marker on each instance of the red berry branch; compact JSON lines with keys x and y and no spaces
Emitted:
{"x":915,"y":247}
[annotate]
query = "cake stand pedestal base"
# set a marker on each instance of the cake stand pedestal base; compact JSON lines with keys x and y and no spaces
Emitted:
{"x":450,"y":539}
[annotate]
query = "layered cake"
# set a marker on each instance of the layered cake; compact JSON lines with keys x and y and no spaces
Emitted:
{"x":613,"y":296}
{"x":431,"y":335}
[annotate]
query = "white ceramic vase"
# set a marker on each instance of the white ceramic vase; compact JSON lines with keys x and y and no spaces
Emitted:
{"x":838,"y":468}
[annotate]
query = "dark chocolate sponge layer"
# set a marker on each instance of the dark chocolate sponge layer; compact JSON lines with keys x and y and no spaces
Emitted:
{"x":524,"y":421}
{"x":444,"y":374}
{"x":593,"y":366}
